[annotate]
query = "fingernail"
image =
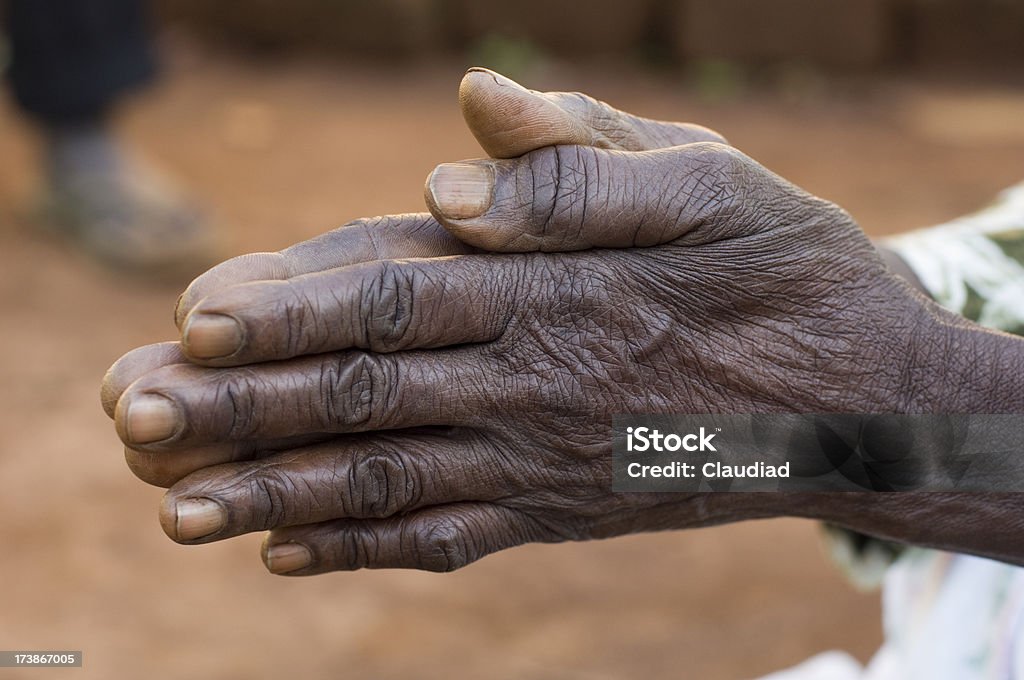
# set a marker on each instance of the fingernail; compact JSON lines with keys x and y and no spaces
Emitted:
{"x":461,"y":190}
{"x":198,"y":517}
{"x":285,"y":557}
{"x":210,"y":336}
{"x":499,"y":79}
{"x":177,"y":307}
{"x":150,"y":418}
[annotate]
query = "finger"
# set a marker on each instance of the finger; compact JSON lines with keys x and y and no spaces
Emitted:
{"x":133,"y":366}
{"x":378,"y":238}
{"x":354,"y":477}
{"x":382,"y":306}
{"x":165,"y":469}
{"x":442,"y":538}
{"x":509,"y":120}
{"x":186,"y":406}
{"x":161,"y":469}
{"x":575,"y":197}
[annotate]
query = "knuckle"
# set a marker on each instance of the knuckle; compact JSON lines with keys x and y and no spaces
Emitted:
{"x":240,"y":413}
{"x":734,"y":186}
{"x":387,"y":307}
{"x":536,"y":188}
{"x":358,"y":390}
{"x":380,"y":484}
{"x":717,"y":171}
{"x":559,"y":184}
{"x":268,"y":493}
{"x":443,"y":546}
{"x":720,"y":161}
{"x":353,"y":546}
{"x":300,"y":313}
{"x":609,"y":127}
{"x":579,"y":104}
{"x":716,"y":151}
{"x":601,"y":117}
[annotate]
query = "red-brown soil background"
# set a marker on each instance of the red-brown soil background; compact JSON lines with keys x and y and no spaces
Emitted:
{"x":282,"y":151}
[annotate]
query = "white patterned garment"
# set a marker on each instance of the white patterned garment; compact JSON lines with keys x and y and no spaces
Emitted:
{"x":974,"y":266}
{"x":949,"y":616}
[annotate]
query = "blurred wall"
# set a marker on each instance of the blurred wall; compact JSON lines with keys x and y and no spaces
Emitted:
{"x":838,"y":34}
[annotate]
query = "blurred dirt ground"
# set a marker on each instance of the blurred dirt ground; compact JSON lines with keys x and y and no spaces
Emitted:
{"x":282,"y":152}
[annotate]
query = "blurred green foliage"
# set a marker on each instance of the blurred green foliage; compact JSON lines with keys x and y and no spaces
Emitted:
{"x":718,"y":80}
{"x":515,"y":57}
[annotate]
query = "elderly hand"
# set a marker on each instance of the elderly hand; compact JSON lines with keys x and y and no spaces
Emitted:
{"x":508,"y":121}
{"x":428,"y":412}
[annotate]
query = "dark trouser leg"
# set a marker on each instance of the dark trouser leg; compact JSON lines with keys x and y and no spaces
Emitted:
{"x":71,"y":59}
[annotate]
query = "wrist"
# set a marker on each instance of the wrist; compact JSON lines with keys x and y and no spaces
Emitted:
{"x":968,"y":369}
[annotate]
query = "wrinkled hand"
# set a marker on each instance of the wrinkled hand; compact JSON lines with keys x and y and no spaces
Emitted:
{"x":507,"y":120}
{"x":700,"y":282}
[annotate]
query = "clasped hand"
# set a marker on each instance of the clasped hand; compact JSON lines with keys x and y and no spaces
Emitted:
{"x":422,"y":390}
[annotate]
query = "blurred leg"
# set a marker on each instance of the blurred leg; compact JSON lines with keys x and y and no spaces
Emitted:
{"x":72,"y":60}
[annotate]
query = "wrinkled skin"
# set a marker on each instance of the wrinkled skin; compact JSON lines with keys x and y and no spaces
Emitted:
{"x":423,"y":411}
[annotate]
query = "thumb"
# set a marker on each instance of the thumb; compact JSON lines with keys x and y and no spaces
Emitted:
{"x":566,"y":198}
{"x":509,"y":120}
